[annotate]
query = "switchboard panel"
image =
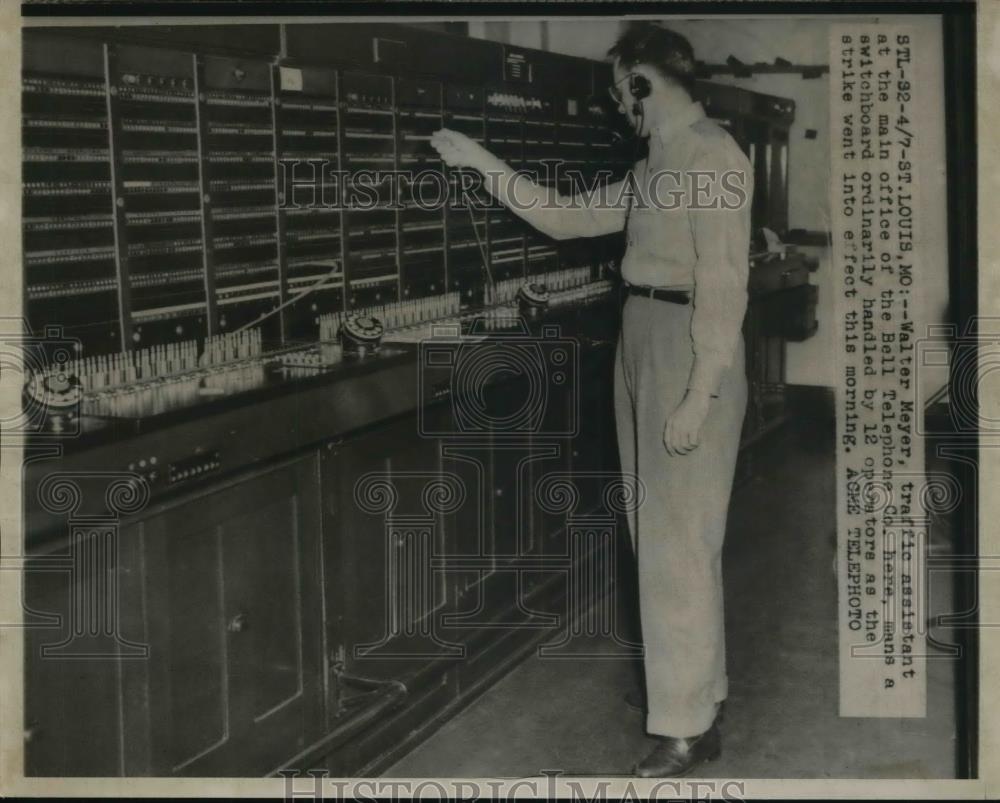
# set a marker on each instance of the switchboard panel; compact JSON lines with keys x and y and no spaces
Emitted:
{"x":211,"y":192}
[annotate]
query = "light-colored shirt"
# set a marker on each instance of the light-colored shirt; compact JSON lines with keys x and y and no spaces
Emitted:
{"x":670,"y":244}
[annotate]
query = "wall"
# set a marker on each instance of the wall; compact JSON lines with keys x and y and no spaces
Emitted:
{"x":800,"y":41}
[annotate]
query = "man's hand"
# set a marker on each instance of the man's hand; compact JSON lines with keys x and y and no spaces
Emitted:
{"x":458,"y":150}
{"x":683,"y":430}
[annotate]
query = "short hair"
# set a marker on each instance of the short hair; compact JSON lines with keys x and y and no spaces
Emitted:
{"x":667,"y":51}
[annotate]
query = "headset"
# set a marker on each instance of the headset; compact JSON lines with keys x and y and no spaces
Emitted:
{"x":639,"y":88}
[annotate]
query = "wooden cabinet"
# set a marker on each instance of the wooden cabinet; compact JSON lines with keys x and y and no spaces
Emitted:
{"x":224,"y":592}
{"x":234,"y":581}
{"x":322,"y":611}
{"x":277,"y":606}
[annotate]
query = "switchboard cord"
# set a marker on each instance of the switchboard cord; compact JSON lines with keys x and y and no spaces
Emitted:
{"x":313,"y":287}
{"x":482,"y":252}
{"x":330,"y":276}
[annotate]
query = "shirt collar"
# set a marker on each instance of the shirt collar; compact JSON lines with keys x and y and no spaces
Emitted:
{"x":684,"y":118}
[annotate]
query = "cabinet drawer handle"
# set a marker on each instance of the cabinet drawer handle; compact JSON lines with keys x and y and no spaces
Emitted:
{"x":32,"y":732}
{"x":238,"y":623}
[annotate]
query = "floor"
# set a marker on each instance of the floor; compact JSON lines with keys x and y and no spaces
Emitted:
{"x":781,"y":718}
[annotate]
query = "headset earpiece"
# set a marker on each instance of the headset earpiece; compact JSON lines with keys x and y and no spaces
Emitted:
{"x":639,"y":87}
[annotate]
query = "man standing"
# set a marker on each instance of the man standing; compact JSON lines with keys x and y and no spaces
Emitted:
{"x":680,"y":381}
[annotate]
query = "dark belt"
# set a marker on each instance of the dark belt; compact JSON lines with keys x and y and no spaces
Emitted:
{"x":670,"y":296}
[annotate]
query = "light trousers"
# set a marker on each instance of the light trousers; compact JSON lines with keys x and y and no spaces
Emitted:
{"x":678,"y":530}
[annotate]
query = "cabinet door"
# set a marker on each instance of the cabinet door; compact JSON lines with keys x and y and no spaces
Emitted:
{"x":552,"y":450}
{"x":468,"y":528}
{"x":71,"y":717}
{"x":233,"y":589}
{"x":384,"y":528}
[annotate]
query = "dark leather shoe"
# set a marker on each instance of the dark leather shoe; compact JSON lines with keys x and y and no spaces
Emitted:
{"x":674,"y":756}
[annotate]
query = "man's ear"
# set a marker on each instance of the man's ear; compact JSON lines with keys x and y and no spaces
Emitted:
{"x":639,"y":86}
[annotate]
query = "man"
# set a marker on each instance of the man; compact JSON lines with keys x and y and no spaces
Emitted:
{"x":680,"y":382}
